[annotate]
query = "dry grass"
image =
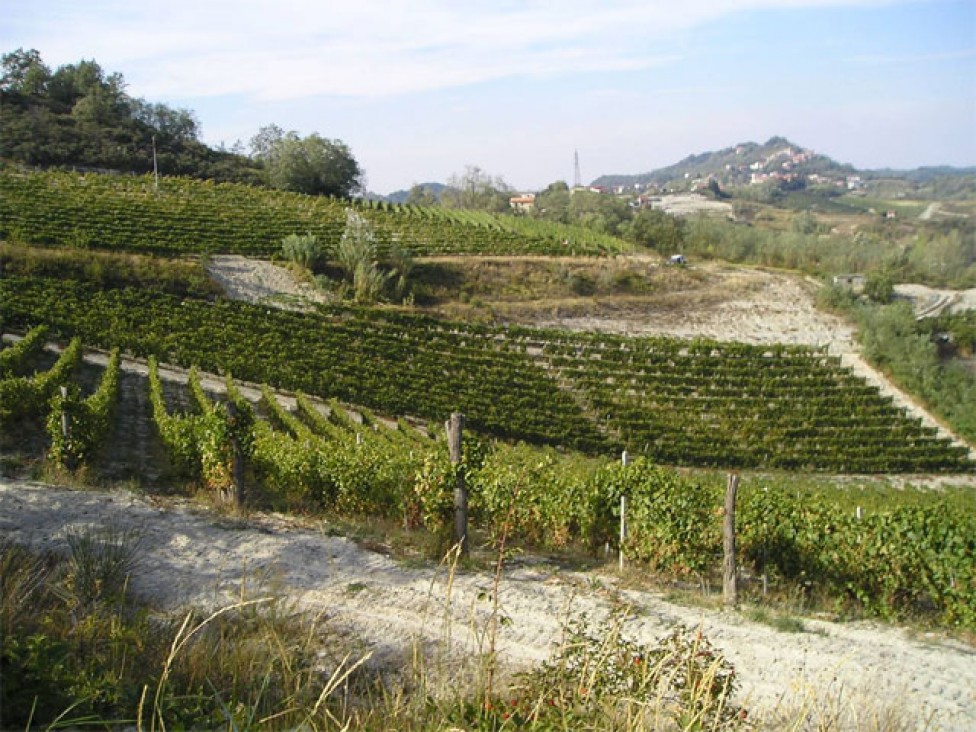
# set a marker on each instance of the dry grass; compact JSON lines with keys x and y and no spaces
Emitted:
{"x":262,"y":663}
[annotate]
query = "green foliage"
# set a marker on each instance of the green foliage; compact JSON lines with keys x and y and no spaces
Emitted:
{"x":671,"y":521}
{"x":532,"y":495}
{"x":192,"y":217}
{"x":879,"y":288}
{"x":804,"y":222}
{"x":700,"y":403}
{"x":177,"y":433}
{"x":304,"y":249}
{"x":214,"y":433}
{"x":69,"y":658}
{"x":89,"y":420}
{"x":85,"y":655}
{"x":15,"y":360}
{"x":476,"y":190}
{"x":98,"y":567}
{"x":897,"y":560}
{"x":22,"y":397}
{"x":598,"y":677}
{"x":894,"y":341}
{"x":658,"y":231}
{"x":333,"y":462}
{"x":110,"y":270}
{"x":357,"y":254}
{"x":939,"y":256}
{"x":80,"y":116}
{"x":313,"y":165}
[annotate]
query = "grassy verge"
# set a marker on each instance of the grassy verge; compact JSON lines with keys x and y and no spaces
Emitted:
{"x":79,"y":651}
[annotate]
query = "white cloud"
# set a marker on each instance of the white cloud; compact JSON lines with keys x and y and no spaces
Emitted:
{"x":290,"y":49}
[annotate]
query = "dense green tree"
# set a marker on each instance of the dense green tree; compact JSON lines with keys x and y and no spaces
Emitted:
{"x":552,"y":204}
{"x":81,"y":116}
{"x":600,"y":212}
{"x":24,"y":73}
{"x":657,"y":230}
{"x":313,"y":164}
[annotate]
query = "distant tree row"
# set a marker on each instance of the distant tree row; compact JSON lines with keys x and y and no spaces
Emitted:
{"x":478,"y":190}
{"x":78,"y":116}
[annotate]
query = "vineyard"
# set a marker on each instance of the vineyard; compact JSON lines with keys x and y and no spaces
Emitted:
{"x":547,"y":411}
{"x":185,"y":216}
{"x":699,"y":403}
{"x":889,"y":553}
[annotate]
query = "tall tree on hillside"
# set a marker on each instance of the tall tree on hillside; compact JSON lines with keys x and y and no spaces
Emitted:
{"x":657,"y":230}
{"x":552,"y":204}
{"x":313,"y":164}
{"x":476,"y":189}
{"x":23,"y":72}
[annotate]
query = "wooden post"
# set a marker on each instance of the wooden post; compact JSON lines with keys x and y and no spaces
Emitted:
{"x":454,"y":428}
{"x":729,"y":589}
{"x":625,"y":461}
{"x":65,"y":419}
{"x":623,"y":528}
{"x":68,"y":456}
{"x":237,"y":488}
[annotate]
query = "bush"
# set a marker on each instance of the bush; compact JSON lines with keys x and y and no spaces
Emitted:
{"x":304,"y":249}
{"x":879,"y":288}
{"x":604,"y":678}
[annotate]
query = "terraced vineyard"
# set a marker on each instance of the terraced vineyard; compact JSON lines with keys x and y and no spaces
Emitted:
{"x":898,"y":553}
{"x":184,"y":216}
{"x":700,"y":403}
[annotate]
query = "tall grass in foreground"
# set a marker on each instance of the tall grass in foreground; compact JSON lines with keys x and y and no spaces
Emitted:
{"x":78,"y":651}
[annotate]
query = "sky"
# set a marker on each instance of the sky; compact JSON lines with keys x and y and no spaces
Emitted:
{"x":421,"y":89}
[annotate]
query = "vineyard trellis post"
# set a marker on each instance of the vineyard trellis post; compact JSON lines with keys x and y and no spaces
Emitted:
{"x":66,"y":429}
{"x":729,"y":589}
{"x":625,"y":461}
{"x":65,"y":420}
{"x":454,"y":427}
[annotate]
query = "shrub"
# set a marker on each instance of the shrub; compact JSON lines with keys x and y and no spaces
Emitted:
{"x":605,"y":678}
{"x":304,"y":249}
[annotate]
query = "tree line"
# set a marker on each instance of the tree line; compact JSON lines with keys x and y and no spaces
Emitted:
{"x":81,"y":117}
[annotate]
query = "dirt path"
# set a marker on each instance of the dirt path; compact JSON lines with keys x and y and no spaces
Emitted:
{"x":191,"y":557}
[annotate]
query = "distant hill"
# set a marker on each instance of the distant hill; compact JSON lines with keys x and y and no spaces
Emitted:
{"x":401,"y":196}
{"x":777,"y":159}
{"x":784,"y":164}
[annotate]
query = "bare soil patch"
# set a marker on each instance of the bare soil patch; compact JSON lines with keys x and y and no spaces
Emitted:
{"x":262,"y":282}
